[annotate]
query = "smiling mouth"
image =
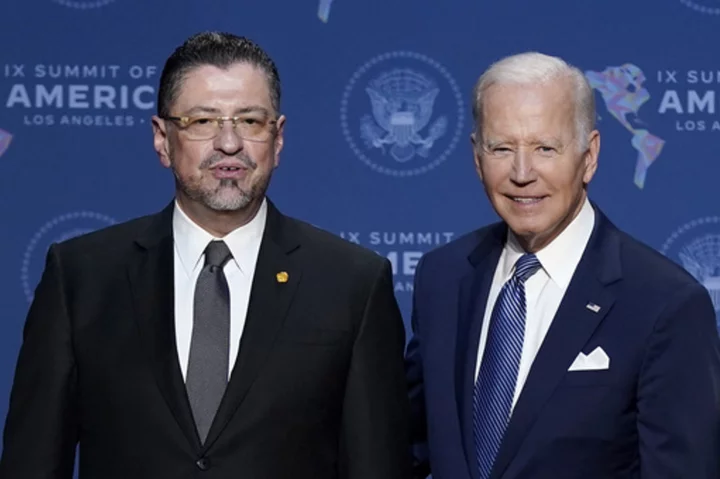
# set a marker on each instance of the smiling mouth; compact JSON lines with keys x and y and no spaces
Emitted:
{"x":526,"y":200}
{"x":229,"y":168}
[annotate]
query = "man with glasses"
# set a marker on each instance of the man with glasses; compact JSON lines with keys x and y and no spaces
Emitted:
{"x":217,"y":338}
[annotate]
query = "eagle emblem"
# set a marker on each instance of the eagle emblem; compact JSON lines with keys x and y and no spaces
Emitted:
{"x":402,"y":103}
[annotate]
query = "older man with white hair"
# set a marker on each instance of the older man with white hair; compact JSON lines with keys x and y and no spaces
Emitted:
{"x":551,"y":344}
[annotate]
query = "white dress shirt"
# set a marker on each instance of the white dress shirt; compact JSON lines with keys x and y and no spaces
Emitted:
{"x":190,"y":243}
{"x":544,"y":290}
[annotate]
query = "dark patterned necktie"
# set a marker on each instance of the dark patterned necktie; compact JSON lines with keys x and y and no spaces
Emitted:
{"x":495,"y":385}
{"x":210,"y":345}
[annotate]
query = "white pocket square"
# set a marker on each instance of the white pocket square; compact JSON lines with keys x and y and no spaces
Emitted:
{"x":595,"y":361}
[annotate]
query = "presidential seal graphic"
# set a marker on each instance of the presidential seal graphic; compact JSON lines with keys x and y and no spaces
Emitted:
{"x":696,"y":246}
{"x":707,"y":7}
{"x":83,"y":4}
{"x":60,"y":228}
{"x":402,"y":114}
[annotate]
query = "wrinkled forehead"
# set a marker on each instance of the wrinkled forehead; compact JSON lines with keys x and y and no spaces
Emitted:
{"x":528,"y":112}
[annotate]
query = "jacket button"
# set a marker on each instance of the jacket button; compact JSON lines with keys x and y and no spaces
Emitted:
{"x":203,"y":463}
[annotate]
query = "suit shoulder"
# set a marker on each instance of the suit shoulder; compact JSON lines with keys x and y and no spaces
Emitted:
{"x":461,"y":247}
{"x":106,"y":238}
{"x":651,"y":268}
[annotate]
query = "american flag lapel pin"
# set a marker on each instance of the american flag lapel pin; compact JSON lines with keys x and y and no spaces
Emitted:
{"x":593,"y":307}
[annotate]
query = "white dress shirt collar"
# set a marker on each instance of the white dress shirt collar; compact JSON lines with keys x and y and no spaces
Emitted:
{"x":191,"y":240}
{"x":559,"y":258}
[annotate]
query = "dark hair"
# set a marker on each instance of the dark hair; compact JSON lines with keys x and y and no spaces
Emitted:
{"x":217,"y":49}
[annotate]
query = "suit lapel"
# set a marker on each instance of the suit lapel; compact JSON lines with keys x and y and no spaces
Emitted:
{"x":571,"y":328}
{"x":269,"y":303}
{"x":152,"y":284}
{"x":473,"y":295}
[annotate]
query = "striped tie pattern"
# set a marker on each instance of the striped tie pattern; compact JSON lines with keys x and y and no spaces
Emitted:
{"x":495,"y":385}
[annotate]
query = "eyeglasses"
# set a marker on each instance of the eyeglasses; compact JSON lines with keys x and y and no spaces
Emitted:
{"x":247,"y":127}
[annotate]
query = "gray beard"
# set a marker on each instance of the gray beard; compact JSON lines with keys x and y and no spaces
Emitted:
{"x":218,"y":199}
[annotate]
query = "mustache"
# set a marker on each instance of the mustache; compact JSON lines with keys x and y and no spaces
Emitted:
{"x":217,"y":158}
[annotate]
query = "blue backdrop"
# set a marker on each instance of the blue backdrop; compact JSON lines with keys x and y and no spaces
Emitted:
{"x":78,"y":82}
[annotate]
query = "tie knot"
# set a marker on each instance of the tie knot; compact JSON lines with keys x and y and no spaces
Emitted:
{"x":526,"y":266}
{"x":217,"y":254}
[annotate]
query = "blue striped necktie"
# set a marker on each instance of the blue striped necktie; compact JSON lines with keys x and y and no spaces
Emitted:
{"x":495,"y":384}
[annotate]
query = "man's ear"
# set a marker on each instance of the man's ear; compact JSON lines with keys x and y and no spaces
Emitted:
{"x":161,"y":142}
{"x":477,"y":157}
{"x":590,"y":157}
{"x":279,"y":139}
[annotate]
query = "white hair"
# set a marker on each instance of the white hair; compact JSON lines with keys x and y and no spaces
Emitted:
{"x":537,"y":68}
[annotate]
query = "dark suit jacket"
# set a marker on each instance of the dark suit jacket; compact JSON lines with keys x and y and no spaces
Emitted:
{"x":318,"y":390}
{"x":655,"y":413}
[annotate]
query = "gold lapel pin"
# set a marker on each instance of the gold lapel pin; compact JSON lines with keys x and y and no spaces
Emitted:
{"x":282,"y":277}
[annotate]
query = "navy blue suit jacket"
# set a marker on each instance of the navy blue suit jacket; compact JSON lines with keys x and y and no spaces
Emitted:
{"x":655,"y":413}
